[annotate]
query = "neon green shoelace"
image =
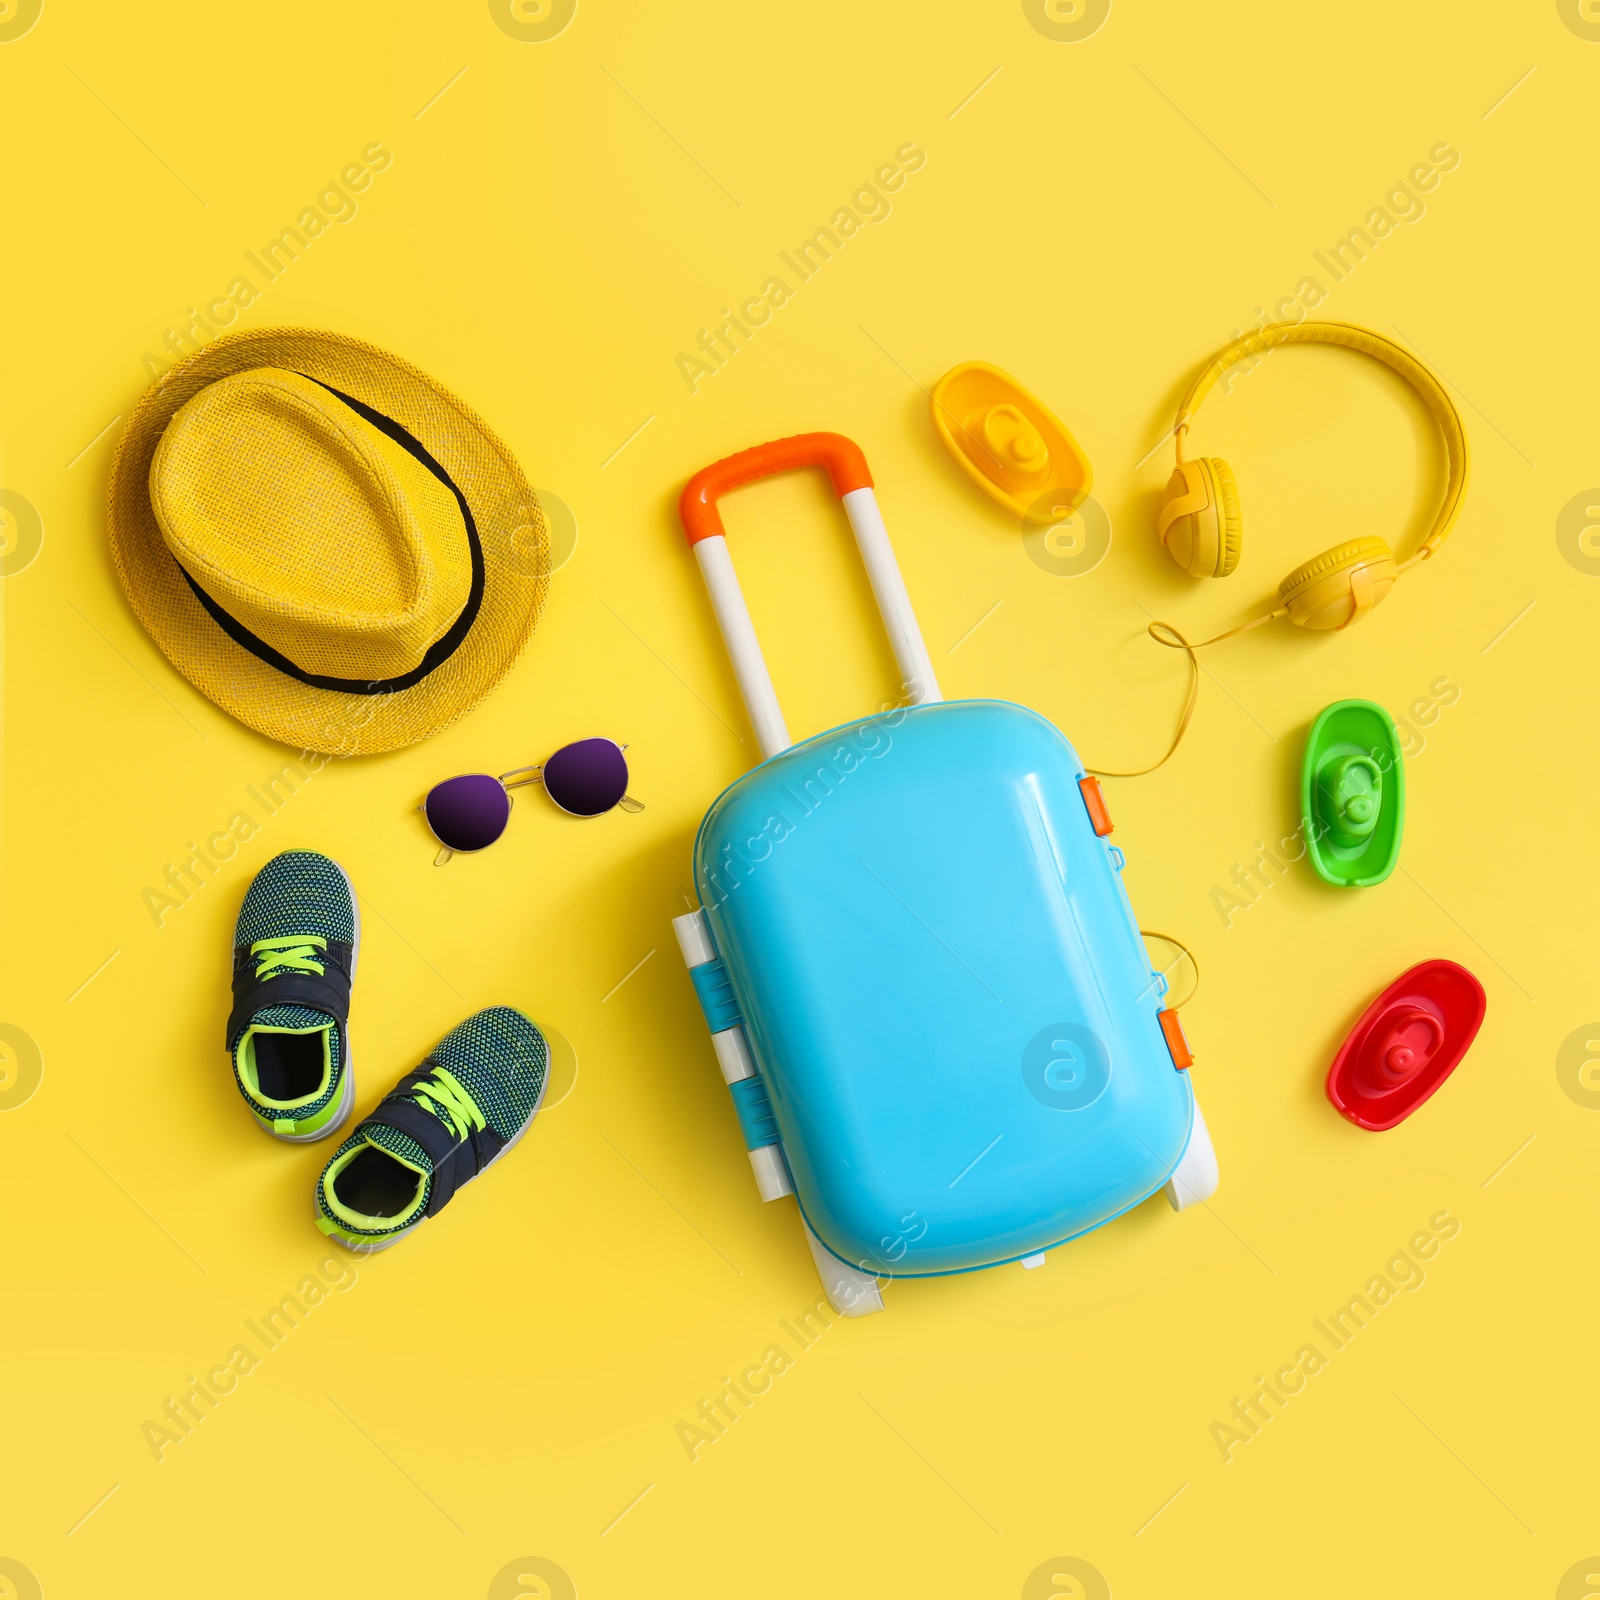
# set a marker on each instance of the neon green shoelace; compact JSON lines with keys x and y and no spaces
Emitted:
{"x":451,"y":1102}
{"x":298,"y":954}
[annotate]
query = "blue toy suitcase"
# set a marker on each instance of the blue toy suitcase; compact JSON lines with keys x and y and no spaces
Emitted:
{"x":921,"y":970}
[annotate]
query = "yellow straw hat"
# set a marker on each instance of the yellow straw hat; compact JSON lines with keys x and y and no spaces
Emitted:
{"x":330,"y":546}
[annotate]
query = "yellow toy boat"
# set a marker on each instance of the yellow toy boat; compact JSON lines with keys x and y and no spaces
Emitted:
{"x":1010,"y":443}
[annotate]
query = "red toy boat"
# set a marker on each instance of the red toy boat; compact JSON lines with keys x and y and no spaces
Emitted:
{"x":1408,"y":1041}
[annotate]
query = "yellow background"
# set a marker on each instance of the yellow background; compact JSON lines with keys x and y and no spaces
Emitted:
{"x":553,"y":231}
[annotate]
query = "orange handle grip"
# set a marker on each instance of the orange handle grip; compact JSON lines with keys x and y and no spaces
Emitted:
{"x":846,"y":465}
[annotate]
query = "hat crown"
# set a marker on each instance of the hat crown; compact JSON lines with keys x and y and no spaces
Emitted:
{"x":310,"y":526}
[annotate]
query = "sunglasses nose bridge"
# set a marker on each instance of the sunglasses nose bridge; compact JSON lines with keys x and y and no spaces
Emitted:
{"x":516,"y":772}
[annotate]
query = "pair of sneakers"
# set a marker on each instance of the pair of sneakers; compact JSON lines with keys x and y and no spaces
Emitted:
{"x":295,"y":949}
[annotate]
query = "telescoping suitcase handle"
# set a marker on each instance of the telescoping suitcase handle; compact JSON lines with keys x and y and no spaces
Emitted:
{"x":852,"y":482}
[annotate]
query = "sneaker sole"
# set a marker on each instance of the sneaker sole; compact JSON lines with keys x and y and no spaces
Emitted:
{"x":405,"y":1233}
{"x":347,"y":1095}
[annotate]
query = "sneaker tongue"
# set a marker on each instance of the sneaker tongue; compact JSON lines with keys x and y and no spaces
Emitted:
{"x":402,"y":1145}
{"x":297,"y":1019}
{"x":404,"y":1149}
{"x":292,"y":1019}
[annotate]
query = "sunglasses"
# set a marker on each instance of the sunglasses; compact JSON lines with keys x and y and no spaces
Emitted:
{"x":585,"y":779}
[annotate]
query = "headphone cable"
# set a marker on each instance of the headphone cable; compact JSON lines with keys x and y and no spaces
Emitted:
{"x":1164,"y":633}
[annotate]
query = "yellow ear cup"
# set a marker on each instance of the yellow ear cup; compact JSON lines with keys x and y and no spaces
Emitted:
{"x":1186,"y":501}
{"x":1200,"y":521}
{"x":1232,"y":517}
{"x":1333,"y":589}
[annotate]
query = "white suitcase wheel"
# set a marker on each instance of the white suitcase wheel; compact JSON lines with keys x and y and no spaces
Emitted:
{"x":1195,"y":1177}
{"x":850,"y":1293}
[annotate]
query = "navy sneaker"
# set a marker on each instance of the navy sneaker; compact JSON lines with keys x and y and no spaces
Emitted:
{"x":294,"y":955}
{"x":437,"y":1129}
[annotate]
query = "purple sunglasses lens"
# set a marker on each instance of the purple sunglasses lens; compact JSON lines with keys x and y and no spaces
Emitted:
{"x":468,"y":813}
{"x":586,"y":778}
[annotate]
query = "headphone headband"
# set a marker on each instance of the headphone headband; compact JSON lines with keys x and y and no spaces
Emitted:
{"x":1364,"y":341}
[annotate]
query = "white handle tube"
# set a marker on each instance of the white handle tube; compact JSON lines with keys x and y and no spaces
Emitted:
{"x":744,"y":649}
{"x":889,"y":590}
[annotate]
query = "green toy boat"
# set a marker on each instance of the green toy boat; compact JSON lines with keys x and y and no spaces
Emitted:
{"x":1353,"y":794}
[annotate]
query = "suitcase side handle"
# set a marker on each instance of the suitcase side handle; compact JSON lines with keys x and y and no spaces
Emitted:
{"x":852,"y":482}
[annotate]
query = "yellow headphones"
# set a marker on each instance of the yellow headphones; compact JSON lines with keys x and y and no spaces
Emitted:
{"x":1203,"y":527}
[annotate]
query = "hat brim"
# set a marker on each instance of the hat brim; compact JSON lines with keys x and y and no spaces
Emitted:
{"x":511,"y":529}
